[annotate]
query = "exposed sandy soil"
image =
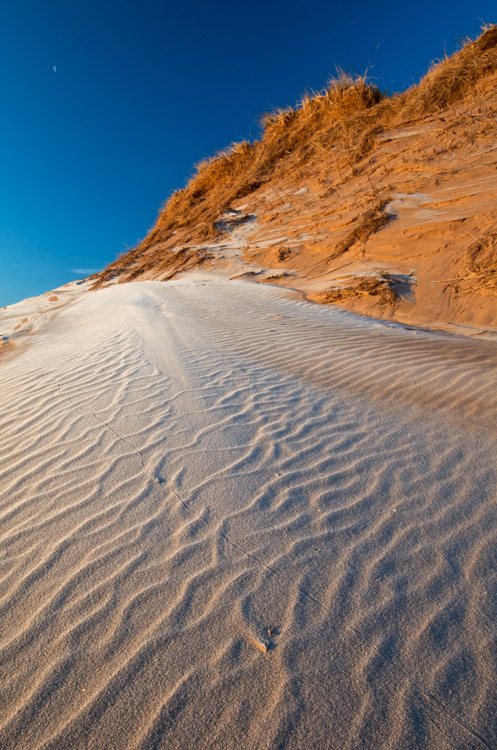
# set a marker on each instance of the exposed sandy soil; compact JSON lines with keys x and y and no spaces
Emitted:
{"x":439,"y":184}
{"x":231,"y":518}
{"x":421,"y":208}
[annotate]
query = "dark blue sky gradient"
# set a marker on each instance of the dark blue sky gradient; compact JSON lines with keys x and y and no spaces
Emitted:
{"x":144,"y":90}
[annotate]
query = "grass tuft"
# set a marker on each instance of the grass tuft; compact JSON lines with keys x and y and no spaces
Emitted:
{"x":370,"y":222}
{"x":379,"y":286}
{"x":480,"y":274}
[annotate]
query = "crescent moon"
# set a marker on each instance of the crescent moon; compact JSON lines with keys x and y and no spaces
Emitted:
{"x":55,"y":69}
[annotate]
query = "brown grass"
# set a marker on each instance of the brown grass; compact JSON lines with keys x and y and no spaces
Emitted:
{"x":341,"y":122}
{"x":450,"y":79}
{"x":480,"y":274}
{"x":379,"y":286}
{"x":370,"y":222}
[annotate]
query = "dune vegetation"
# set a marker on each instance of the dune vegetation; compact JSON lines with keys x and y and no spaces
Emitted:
{"x":342,"y":123}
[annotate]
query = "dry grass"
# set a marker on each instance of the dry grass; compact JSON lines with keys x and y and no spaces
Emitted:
{"x":379,"y":286}
{"x":480,"y":273}
{"x":450,"y":79}
{"x":341,"y":123}
{"x":481,"y":278}
{"x":370,"y":222}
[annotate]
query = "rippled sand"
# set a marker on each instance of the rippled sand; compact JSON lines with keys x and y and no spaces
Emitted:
{"x":233,"y":519}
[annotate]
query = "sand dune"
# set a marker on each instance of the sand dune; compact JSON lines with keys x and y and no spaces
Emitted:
{"x":382,"y":204}
{"x":234,"y":519}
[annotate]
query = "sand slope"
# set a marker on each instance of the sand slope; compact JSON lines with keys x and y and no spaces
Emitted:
{"x":234,"y":519}
{"x":403,"y":229}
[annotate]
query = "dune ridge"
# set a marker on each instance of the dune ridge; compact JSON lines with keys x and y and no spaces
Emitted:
{"x":234,"y":518}
{"x":384,"y":204}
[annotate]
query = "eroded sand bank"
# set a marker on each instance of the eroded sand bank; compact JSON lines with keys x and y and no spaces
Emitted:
{"x":234,"y":519}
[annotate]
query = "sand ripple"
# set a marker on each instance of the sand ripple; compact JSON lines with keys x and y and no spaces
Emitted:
{"x":233,"y":519}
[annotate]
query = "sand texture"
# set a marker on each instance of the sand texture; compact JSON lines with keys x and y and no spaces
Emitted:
{"x":234,"y":519}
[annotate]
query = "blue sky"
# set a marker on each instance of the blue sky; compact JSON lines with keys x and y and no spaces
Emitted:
{"x":144,"y":90}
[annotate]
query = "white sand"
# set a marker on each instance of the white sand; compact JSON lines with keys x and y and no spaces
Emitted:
{"x":186,"y":465}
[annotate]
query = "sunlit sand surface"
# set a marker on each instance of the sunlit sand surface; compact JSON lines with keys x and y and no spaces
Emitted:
{"x":231,"y":518}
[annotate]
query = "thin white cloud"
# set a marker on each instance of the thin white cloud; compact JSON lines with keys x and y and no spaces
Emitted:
{"x":85,"y":271}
